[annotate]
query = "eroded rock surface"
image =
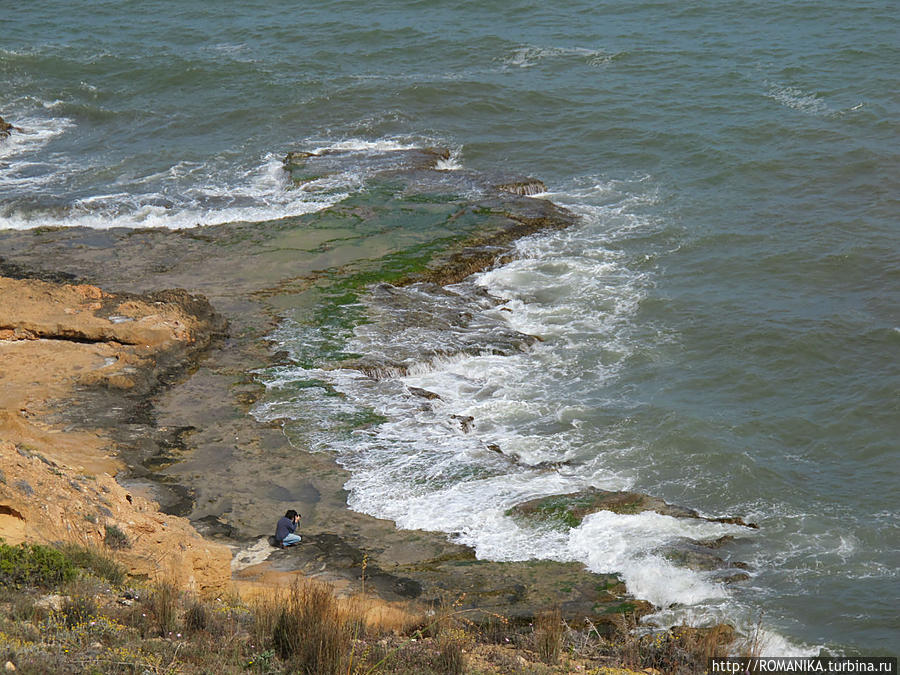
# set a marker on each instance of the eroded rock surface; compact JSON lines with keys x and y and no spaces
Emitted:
{"x":57,"y":482}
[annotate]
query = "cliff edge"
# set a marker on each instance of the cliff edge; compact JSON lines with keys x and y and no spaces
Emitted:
{"x":57,"y":479}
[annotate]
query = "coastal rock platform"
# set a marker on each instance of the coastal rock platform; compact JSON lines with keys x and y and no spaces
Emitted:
{"x":164,"y":404}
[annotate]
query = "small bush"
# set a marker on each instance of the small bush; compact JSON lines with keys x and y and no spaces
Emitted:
{"x":115,"y":538}
{"x":79,"y":608}
{"x":34,"y":565}
{"x":266,"y":614}
{"x":311,"y":632}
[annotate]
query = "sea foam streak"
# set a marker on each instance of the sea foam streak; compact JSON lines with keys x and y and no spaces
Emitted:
{"x":185,"y":196}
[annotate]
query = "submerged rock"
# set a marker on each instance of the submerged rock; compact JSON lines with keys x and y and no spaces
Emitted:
{"x":306,"y":167}
{"x":420,"y":322}
{"x":700,"y":556}
{"x":525,"y":187}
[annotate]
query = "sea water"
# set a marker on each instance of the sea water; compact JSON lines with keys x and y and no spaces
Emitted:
{"x":721,"y":328}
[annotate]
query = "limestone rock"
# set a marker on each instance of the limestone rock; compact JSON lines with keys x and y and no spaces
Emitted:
{"x":57,"y":337}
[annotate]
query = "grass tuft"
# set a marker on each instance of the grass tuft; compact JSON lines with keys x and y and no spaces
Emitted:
{"x":548,"y":635}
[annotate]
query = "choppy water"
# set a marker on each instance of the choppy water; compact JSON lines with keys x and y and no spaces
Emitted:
{"x":722,"y":329}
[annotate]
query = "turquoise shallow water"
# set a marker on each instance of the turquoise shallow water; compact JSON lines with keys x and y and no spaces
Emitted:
{"x":721,"y":329}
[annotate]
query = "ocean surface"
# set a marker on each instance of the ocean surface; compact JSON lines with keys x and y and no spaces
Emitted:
{"x":721,"y":328}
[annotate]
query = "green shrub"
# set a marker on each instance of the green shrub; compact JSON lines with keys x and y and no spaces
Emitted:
{"x":95,"y":562}
{"x":34,"y":565}
{"x":115,"y":538}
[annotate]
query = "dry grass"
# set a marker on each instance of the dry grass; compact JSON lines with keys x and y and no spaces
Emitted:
{"x":548,"y":635}
{"x":307,"y":629}
{"x":163,"y":602}
{"x":311,"y":632}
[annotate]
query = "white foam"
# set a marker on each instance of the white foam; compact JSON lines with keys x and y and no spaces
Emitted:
{"x":366,"y":146}
{"x":610,"y":542}
{"x":768,"y":643}
{"x":528,"y":56}
{"x":451,"y":163}
{"x":35,"y":134}
{"x":174,"y":202}
{"x":797,"y":99}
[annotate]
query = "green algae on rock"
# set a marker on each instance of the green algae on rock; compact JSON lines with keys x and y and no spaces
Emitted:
{"x":570,"y":509}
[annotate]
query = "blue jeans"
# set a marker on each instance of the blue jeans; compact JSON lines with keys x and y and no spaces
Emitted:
{"x":291,"y":539}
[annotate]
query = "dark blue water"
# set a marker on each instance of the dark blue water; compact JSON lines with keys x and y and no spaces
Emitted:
{"x":722,"y":329}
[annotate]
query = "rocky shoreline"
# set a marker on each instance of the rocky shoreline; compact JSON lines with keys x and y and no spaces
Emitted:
{"x":179,"y":421}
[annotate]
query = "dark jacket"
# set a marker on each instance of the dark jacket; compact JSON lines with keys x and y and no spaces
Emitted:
{"x":284,"y":527}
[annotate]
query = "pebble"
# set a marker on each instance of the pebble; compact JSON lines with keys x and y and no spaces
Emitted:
{"x":9,"y":667}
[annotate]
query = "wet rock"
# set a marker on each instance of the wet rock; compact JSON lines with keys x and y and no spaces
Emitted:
{"x":412,"y":324}
{"x":520,"y":590}
{"x":305,"y":167}
{"x":466,"y":422}
{"x":688,"y":554}
{"x":334,"y":556}
{"x":423,"y":393}
{"x":730,"y":576}
{"x":525,"y":187}
{"x":213,"y":526}
{"x":718,"y":543}
{"x":701,"y":556}
{"x":6,"y":129}
{"x":734,"y":520}
{"x":569,"y":510}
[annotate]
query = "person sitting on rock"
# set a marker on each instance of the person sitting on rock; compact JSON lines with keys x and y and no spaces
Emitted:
{"x":284,"y":530}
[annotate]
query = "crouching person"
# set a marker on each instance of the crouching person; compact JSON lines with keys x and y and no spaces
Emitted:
{"x":284,"y":530}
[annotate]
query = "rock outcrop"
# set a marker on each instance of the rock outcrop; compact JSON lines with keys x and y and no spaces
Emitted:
{"x":56,"y":484}
{"x":570,"y":509}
